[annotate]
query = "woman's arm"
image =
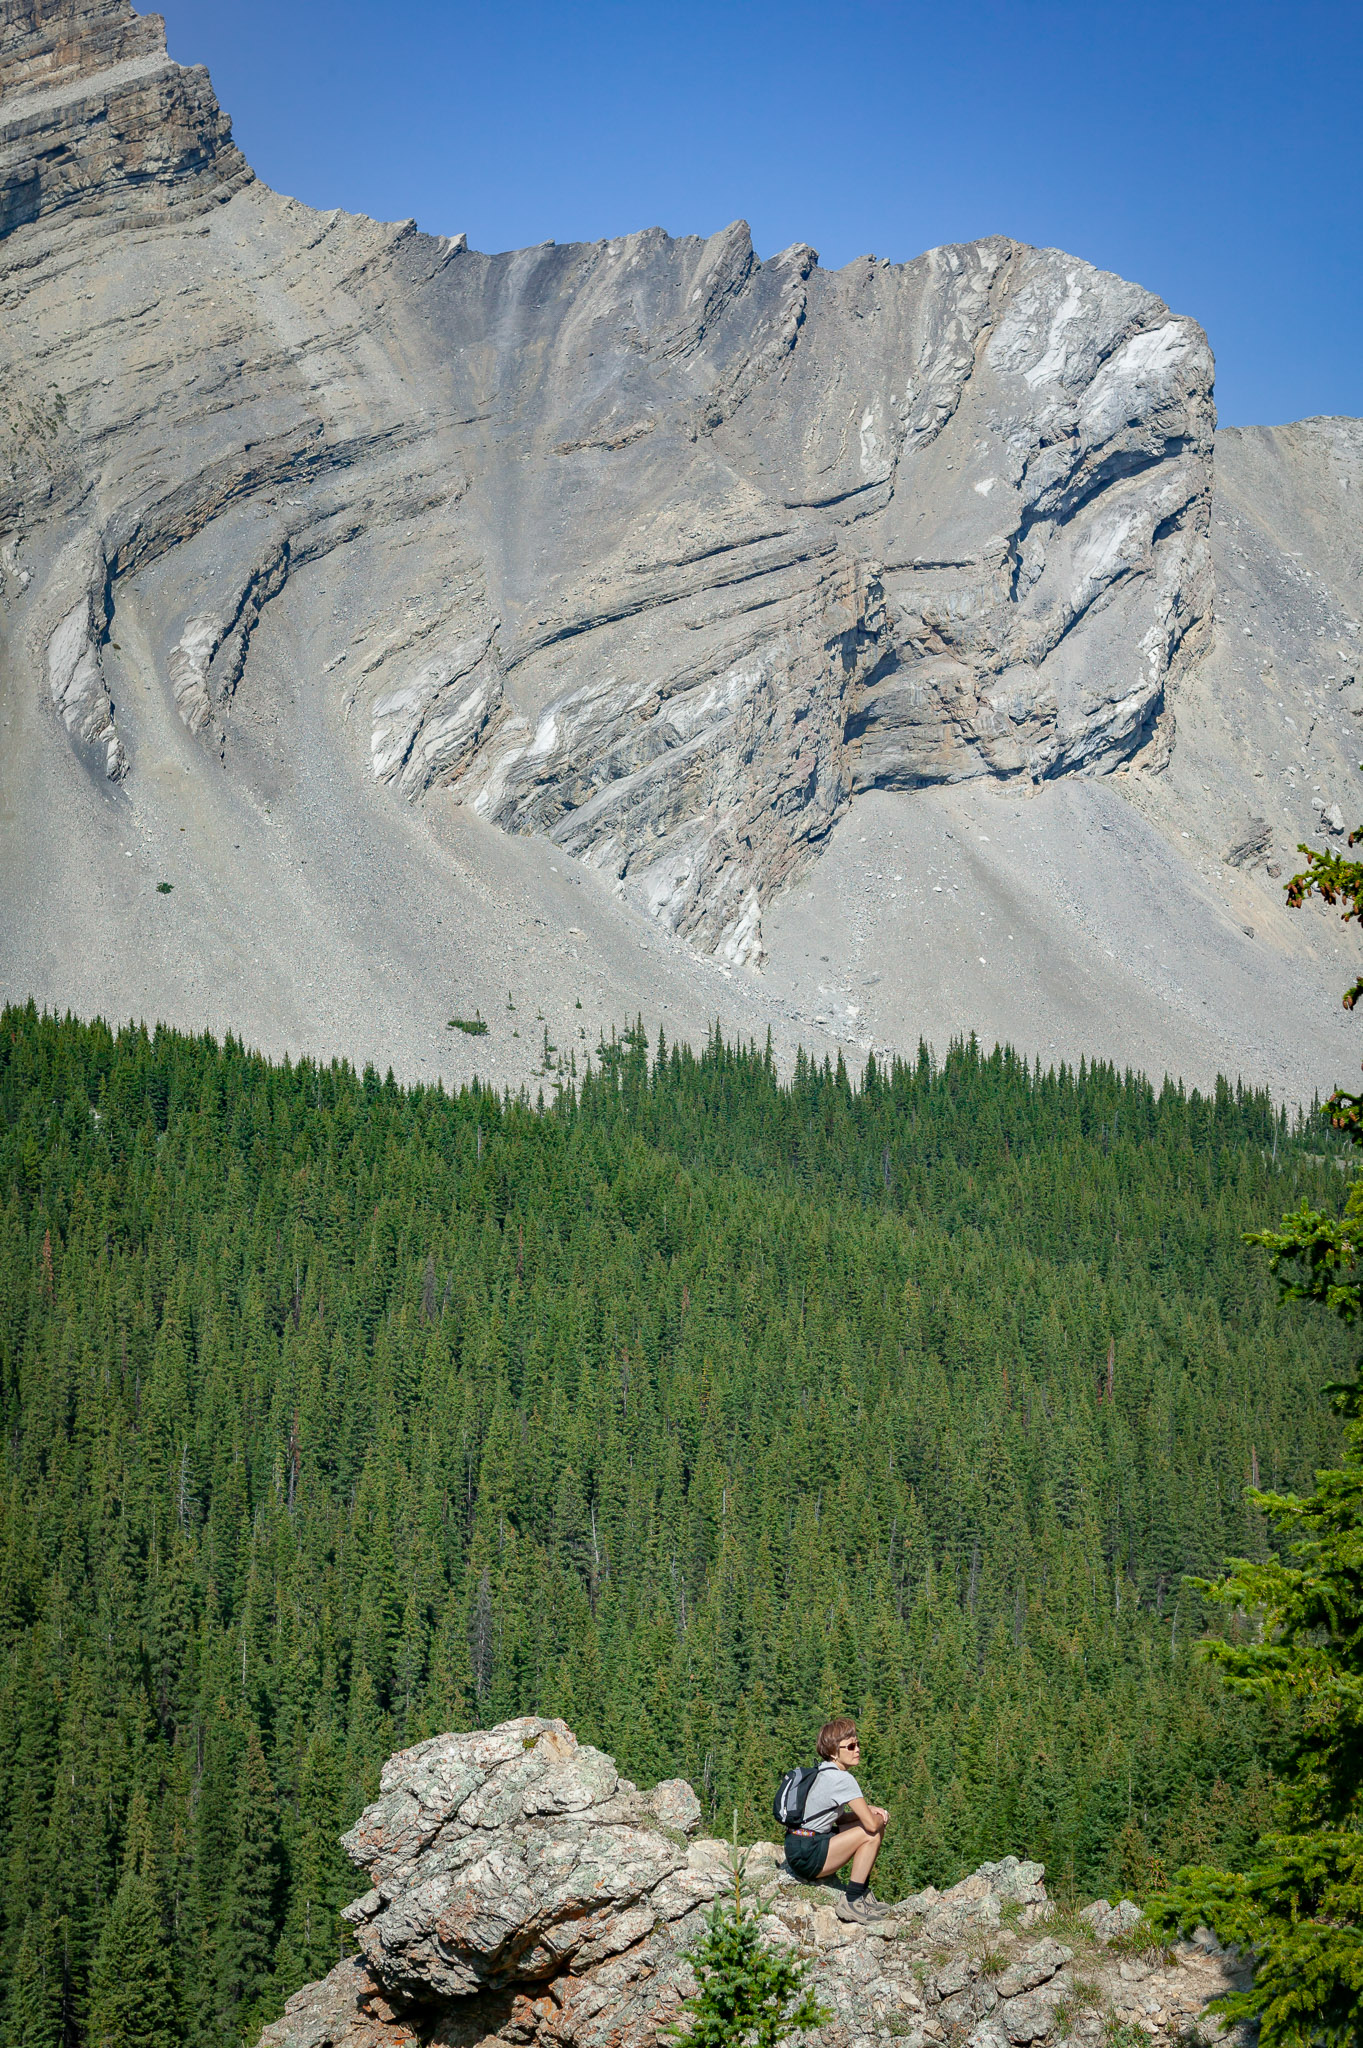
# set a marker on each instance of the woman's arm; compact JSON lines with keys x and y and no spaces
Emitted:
{"x":874,"y":1819}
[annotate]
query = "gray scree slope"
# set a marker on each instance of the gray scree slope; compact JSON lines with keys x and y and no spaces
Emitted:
{"x":328,"y":547}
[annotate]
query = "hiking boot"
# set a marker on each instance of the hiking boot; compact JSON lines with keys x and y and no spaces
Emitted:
{"x":875,"y":1907}
{"x":860,"y":1910}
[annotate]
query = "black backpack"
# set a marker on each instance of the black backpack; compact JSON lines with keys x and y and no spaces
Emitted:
{"x":788,"y":1807}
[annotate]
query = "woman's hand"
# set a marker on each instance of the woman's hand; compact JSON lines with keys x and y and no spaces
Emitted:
{"x":874,"y":1819}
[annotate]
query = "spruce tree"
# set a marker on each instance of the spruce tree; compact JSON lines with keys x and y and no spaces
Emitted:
{"x":248,"y":1931}
{"x":748,"y":1994}
{"x":623,"y":1473}
{"x":36,"y":2006}
{"x":132,"y":1989}
{"x":1297,"y":1903}
{"x":321,"y":1879}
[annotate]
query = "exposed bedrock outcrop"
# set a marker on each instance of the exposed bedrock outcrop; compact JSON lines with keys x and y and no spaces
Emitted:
{"x":521,"y":1891}
{"x":652,"y":546}
{"x":94,"y":116}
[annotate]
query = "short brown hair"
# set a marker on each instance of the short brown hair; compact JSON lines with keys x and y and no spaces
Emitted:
{"x":831,"y":1734}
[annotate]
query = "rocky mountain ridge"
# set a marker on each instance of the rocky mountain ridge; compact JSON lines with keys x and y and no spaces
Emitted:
{"x":444,"y":620}
{"x":688,"y":547}
{"x":523,"y":1892}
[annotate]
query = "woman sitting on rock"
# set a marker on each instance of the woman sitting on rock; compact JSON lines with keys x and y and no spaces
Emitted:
{"x":825,"y":1841}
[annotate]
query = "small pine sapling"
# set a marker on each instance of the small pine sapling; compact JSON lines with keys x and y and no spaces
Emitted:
{"x":747,"y":1995}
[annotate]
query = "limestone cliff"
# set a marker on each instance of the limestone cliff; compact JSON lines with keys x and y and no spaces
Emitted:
{"x":522,"y":1892}
{"x":647,"y":545}
{"x":96,"y":120}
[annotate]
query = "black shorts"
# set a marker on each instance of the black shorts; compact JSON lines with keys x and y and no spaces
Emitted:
{"x":805,"y":1855}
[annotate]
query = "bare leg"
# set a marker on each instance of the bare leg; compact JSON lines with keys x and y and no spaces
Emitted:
{"x":853,"y":1845}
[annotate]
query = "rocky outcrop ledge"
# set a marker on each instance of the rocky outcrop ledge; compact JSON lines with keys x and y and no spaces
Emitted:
{"x":523,"y":1892}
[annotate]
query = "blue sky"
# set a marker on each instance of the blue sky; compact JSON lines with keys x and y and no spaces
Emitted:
{"x":1213,"y":152}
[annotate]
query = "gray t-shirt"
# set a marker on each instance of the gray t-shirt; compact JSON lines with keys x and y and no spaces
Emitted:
{"x":828,"y":1795}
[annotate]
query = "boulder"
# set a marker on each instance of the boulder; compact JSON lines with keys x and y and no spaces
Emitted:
{"x":954,"y":1976}
{"x":1012,"y":1879}
{"x":1038,"y":1966}
{"x":1108,"y":1922}
{"x":508,"y":1856}
{"x":1028,"y":2019}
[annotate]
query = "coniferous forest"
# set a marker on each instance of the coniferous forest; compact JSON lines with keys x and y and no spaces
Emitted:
{"x":693,"y":1406}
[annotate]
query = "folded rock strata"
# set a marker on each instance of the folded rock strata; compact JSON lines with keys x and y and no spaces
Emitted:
{"x":647,"y":545}
{"x":521,"y":1891}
